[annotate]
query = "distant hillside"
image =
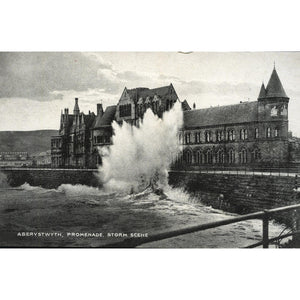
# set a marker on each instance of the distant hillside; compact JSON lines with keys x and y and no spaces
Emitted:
{"x":28,"y":141}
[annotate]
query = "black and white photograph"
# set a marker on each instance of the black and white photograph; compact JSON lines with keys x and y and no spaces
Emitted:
{"x":149,"y":149}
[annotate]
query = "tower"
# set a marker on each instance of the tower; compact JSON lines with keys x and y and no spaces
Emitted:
{"x":272,"y":100}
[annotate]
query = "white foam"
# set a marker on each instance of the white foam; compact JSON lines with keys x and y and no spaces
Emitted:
{"x":142,"y":155}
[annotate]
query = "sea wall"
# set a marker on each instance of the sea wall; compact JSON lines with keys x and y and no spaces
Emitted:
{"x":50,"y":178}
{"x":240,"y":193}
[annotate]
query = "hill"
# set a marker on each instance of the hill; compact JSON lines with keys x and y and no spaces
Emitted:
{"x":27,"y":141}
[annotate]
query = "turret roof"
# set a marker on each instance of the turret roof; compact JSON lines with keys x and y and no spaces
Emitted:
{"x":274,"y":87}
{"x":263,"y":92}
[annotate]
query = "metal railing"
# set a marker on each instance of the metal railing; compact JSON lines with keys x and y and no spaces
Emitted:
{"x":246,"y":170}
{"x":263,"y":215}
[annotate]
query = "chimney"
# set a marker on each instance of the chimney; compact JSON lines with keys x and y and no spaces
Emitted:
{"x":76,"y":107}
{"x":194,"y":105}
{"x":99,"y":110}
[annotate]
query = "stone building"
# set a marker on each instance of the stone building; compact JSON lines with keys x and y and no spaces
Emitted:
{"x":83,"y":139}
{"x":71,"y":147}
{"x":134,"y":103}
{"x":248,"y":133}
{"x":15,"y":159}
{"x":242,"y":134}
{"x":101,"y":133}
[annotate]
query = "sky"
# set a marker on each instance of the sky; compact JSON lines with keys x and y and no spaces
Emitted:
{"x":35,"y":87}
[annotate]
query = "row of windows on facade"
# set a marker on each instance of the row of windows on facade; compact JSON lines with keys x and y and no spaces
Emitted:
{"x":101,"y":139}
{"x":231,"y":136}
{"x":219,"y":157}
{"x":56,"y":143}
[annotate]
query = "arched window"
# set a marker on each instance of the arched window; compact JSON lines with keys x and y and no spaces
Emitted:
{"x":256,"y":155}
{"x":243,"y":156}
{"x":231,"y":156}
{"x":268,"y":132}
{"x":276,"y":132}
{"x":198,"y":157}
{"x":208,"y":157}
{"x":188,"y":157}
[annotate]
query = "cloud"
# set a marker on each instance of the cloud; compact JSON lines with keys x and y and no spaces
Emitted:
{"x":36,"y":75}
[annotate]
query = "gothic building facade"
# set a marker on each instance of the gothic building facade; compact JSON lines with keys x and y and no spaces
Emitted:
{"x":249,"y":133}
{"x":83,"y":139}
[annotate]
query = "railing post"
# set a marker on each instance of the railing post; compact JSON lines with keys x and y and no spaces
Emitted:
{"x":265,"y":230}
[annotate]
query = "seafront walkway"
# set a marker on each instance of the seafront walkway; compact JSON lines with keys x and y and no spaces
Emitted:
{"x":270,"y":172}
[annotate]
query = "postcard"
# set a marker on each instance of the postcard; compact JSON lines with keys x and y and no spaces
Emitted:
{"x":149,"y":149}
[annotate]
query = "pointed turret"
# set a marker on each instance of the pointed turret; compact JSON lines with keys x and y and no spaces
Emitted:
{"x":274,"y":88}
{"x":263,"y":92}
{"x":76,"y":107}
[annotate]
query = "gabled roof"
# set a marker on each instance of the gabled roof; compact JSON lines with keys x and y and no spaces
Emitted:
{"x":238,"y":113}
{"x":274,"y":87}
{"x":185,"y":105}
{"x":107,"y":118}
{"x":162,"y":92}
{"x":263,"y":92}
{"x":89,"y":119}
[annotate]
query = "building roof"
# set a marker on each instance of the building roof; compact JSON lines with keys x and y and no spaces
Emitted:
{"x":263,"y":92}
{"x":185,"y":105}
{"x":274,"y":87}
{"x":107,"y":118}
{"x":238,"y":113}
{"x":162,"y":92}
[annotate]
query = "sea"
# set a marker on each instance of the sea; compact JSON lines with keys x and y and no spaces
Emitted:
{"x":83,"y":216}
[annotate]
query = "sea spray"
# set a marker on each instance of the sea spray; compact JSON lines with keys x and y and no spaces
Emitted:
{"x":141,"y":156}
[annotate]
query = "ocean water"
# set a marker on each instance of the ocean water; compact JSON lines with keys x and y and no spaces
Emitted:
{"x":71,"y":210}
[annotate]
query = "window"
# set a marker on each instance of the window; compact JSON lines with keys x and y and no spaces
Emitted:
{"x":276,"y":132}
{"x":243,"y":134}
{"x":243,"y":156}
{"x":187,"y":138}
{"x":125,"y":110}
{"x":218,"y":136}
{"x":231,"y":156}
{"x":199,"y":157}
{"x":179,"y":138}
{"x":231,"y":135}
{"x":188,"y":157}
{"x":197,"y":137}
{"x":220,"y":157}
{"x":208,"y":157}
{"x":256,"y":133}
{"x":268,"y":132}
{"x":222,"y":135}
{"x":256,"y":155}
{"x":207,"y":136}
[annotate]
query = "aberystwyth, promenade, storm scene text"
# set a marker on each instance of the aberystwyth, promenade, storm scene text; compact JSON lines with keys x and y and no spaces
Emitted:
{"x":149,"y":149}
